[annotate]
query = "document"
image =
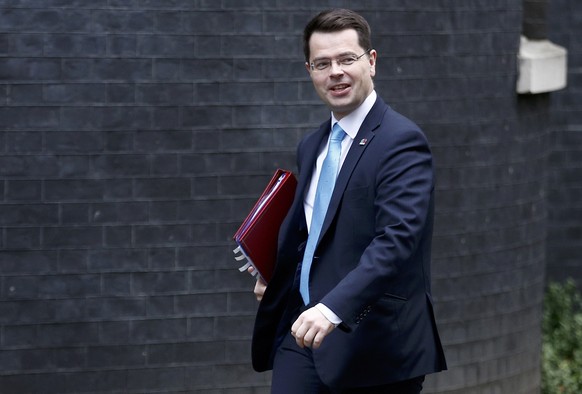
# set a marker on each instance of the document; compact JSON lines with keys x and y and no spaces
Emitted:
{"x":257,"y":237}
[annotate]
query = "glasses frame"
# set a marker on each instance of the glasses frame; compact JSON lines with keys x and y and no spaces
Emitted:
{"x":312,"y":64}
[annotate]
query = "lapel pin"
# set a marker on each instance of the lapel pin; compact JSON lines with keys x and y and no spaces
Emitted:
{"x":363,"y":141}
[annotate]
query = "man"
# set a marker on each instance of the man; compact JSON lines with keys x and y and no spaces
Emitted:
{"x":349,"y":307}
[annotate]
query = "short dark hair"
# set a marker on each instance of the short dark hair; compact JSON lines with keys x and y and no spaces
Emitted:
{"x":337,"y":20}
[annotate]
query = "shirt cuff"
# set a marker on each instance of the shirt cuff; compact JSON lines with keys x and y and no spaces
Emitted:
{"x":329,"y":315}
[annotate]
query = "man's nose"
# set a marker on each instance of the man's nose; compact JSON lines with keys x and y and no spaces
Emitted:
{"x":336,"y":68}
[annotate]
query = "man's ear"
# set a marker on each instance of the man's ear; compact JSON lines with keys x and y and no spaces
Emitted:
{"x":373,"y":56}
{"x":308,"y":67}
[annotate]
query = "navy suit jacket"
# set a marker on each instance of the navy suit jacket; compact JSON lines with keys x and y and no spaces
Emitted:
{"x":372,"y":261}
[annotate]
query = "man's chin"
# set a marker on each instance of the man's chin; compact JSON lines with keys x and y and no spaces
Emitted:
{"x":342,"y":110}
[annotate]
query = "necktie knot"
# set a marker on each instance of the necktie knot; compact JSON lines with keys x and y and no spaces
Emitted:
{"x":337,"y":133}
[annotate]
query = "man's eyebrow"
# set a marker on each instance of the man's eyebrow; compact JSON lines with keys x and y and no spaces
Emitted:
{"x":349,"y":53}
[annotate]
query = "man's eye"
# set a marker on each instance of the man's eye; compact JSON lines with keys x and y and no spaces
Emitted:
{"x":346,"y":61}
{"x":322,"y":65}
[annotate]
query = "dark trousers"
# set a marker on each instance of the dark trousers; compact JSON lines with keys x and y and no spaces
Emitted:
{"x":294,"y":373}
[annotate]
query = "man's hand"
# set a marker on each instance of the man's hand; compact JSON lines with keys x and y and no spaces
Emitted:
{"x":310,"y":328}
{"x":260,"y":286}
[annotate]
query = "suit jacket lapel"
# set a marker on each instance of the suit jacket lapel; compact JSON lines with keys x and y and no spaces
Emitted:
{"x":366,"y":133}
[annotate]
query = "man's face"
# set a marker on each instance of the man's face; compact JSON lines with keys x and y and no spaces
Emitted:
{"x":341,"y":87}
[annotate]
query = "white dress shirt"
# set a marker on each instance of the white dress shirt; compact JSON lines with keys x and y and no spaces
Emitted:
{"x":351,"y":125}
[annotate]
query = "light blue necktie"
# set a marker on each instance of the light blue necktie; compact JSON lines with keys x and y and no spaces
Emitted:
{"x":325,"y":184}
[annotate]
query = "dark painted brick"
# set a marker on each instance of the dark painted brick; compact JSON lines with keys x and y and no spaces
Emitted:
{"x":206,"y":210}
{"x":20,"y":94}
{"x":204,"y":257}
{"x":114,"y":308}
{"x":162,"y":188}
{"x":242,"y":302}
{"x":23,"y":118}
{"x":72,"y":237}
{"x":156,"y":379}
{"x":116,"y":284}
{"x":42,"y":311}
{"x":25,"y":383}
{"x":159,"y":282}
{"x":28,"y":44}
{"x":146,"y":331}
{"x":24,"y":142}
{"x":21,"y":335}
{"x":205,"y":187}
{"x":22,"y":238}
{"x":75,"y":214}
{"x":564,"y":187}
{"x":122,"y":45}
{"x":169,"y":21}
{"x":163,"y":140}
{"x":162,"y":258}
{"x":75,"y":46}
{"x":122,"y":69}
{"x":120,"y":165}
{"x":118,"y":141}
{"x":167,"y":69}
{"x":122,"y":21}
{"x":28,"y":214}
{"x":107,"y":380}
{"x":118,"y":189}
{"x":234,"y":327}
{"x":116,"y":356}
{"x":119,"y":213}
{"x":117,"y":260}
{"x":200,"y":328}
{"x":247,"y":92}
{"x":160,"y":235}
{"x":56,"y":335}
{"x":118,"y":236}
{"x":201,"y":304}
{"x":74,"y":141}
{"x":194,"y":352}
{"x":200,"y":22}
{"x":121,"y":93}
{"x":204,"y":69}
{"x":237,"y":351}
{"x":165,"y":93}
{"x":75,"y":93}
{"x":30,"y":69}
{"x":72,"y":261}
{"x":81,"y":189}
{"x":114,"y":332}
{"x":23,"y":190}
{"x":163,"y":211}
{"x":160,"y":306}
{"x":167,"y":46}
{"x":123,"y":118}
{"x":76,"y":69}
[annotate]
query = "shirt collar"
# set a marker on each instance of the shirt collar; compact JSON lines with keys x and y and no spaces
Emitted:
{"x":352,"y":122}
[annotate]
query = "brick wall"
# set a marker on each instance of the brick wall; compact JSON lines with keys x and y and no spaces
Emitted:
{"x":565,"y":177}
{"x":137,"y":134}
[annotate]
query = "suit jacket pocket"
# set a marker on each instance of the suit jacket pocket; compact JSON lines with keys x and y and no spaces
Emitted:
{"x":390,"y":307}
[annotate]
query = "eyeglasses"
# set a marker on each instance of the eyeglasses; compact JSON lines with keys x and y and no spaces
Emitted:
{"x":342,"y":61}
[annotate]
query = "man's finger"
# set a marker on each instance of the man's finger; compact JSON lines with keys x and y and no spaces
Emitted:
{"x":300,"y":336}
{"x":309,"y":336}
{"x":318,"y":340}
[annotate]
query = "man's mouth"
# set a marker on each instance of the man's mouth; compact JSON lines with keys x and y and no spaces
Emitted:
{"x":339,"y":88}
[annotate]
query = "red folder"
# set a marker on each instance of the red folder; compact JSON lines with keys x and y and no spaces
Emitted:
{"x":258,"y":234}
